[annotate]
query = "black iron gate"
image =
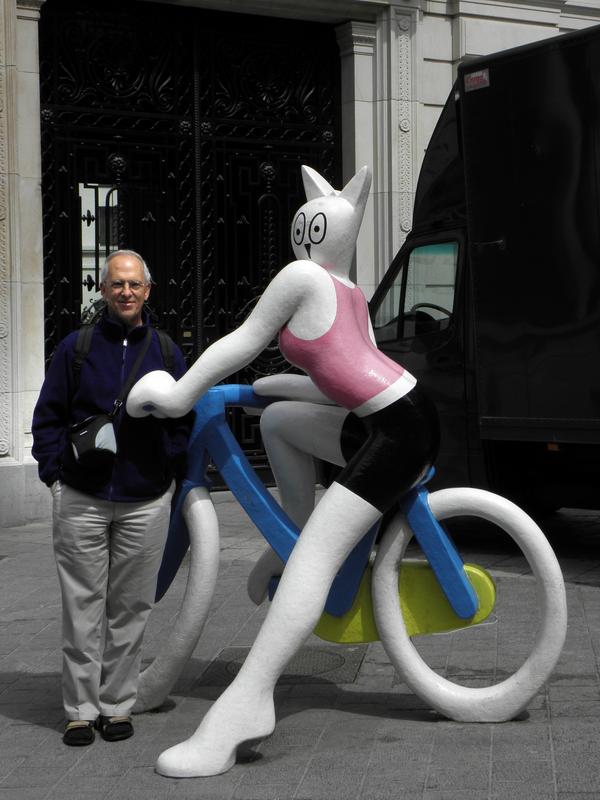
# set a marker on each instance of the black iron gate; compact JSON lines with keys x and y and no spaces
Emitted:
{"x":179,"y":133}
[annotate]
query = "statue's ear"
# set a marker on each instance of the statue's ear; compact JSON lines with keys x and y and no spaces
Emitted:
{"x":356,"y":190}
{"x":315,"y":185}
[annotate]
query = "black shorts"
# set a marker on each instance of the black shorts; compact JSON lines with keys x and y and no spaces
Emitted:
{"x":387,"y":452}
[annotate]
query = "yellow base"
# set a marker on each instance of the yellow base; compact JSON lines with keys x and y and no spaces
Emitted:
{"x":424,"y":606}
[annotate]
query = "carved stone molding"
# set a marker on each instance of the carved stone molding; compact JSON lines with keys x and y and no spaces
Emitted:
{"x":4,"y":249}
{"x":403,"y":29}
{"x":355,"y":38}
{"x":29,"y":9}
{"x":357,"y":47}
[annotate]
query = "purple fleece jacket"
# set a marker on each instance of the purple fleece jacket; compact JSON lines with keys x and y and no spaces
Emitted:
{"x":151,"y":452}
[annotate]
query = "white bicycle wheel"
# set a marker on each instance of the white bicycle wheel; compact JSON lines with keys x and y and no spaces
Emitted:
{"x":159,"y":677}
{"x":502,"y":700}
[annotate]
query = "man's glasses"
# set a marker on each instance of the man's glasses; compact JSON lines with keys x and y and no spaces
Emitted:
{"x":118,"y":286}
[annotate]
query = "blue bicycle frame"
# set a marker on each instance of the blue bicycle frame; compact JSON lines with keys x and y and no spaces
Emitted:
{"x":212,"y":439}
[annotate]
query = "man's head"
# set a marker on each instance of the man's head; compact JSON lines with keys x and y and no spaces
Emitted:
{"x":125,"y":286}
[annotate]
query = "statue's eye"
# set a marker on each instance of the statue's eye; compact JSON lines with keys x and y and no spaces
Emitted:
{"x":318,"y":228}
{"x":298,"y":228}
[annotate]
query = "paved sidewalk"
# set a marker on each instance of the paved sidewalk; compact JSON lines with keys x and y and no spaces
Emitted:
{"x":347,"y":727}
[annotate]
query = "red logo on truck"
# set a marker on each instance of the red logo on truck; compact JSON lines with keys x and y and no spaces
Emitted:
{"x":480,"y":79}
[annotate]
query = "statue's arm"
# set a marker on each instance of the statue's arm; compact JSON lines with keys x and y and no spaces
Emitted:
{"x":158,"y":394}
{"x":290,"y":387}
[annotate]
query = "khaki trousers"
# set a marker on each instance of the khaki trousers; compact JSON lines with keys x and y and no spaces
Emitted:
{"x":107,"y":556}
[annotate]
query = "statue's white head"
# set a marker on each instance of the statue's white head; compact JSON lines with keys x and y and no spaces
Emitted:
{"x":326,"y":227}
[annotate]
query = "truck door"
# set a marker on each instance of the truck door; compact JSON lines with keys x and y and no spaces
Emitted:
{"x":418,"y":319}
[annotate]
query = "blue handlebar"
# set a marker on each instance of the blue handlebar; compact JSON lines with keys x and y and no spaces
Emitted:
{"x":219,"y":397}
{"x":239,"y":394}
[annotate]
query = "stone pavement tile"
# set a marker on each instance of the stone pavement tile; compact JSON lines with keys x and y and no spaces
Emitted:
{"x":464,"y":773}
{"x":23,"y":695}
{"x":272,"y":762}
{"x":577,"y":796}
{"x":375,"y":680}
{"x":468,"y":794}
{"x":523,"y":792}
{"x":566,"y":692}
{"x":221,"y":787}
{"x":300,"y":728}
{"x":308,"y":691}
{"x":306,"y":697}
{"x":334,"y":776}
{"x":48,"y":715}
{"x":8,"y":764}
{"x":456,"y":763}
{"x":401,"y":770}
{"x":538,"y":773}
{"x":277,"y":790}
{"x":30,"y":793}
{"x":75,"y":786}
{"x":376,"y":666}
{"x":453,"y":794}
{"x":142,"y":783}
{"x":349,"y":731}
{"x":577,"y":771}
{"x":31,"y":682}
{"x":113,"y":759}
{"x":31,"y":773}
{"x":581,"y":735}
{"x":416,"y":732}
{"x":29,"y":661}
{"x":23,"y":628}
{"x":389,"y":790}
{"x":521,"y":740}
{"x":576,"y":708}
{"x":570,"y":670}
{"x":401,"y":703}
{"x":20,"y":740}
{"x":407,"y":728}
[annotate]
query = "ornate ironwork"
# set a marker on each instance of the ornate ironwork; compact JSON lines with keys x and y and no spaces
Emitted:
{"x":200,"y":122}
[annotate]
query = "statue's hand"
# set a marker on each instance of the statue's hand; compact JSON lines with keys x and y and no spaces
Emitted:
{"x":152,"y":394}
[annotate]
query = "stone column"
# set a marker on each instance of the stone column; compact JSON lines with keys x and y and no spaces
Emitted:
{"x":378,"y":125}
{"x":21,"y":271}
{"x":404,"y":34}
{"x":357,"y":51}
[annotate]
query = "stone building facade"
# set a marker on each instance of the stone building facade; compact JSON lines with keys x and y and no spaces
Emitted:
{"x":398,"y":60}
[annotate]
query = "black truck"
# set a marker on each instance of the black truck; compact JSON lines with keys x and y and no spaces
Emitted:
{"x":493,"y":301}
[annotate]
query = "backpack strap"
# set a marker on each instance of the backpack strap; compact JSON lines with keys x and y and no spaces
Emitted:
{"x":82,"y":348}
{"x":167,"y":350}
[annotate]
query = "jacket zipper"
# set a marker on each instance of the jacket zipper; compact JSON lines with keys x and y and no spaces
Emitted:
{"x":123,"y":361}
{"x":110,"y":487}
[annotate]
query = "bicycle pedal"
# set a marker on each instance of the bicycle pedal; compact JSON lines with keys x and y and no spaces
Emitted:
{"x":425,"y":608}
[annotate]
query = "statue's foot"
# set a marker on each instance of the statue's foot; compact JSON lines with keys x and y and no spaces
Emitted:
{"x":211,"y":750}
{"x":268,"y":565}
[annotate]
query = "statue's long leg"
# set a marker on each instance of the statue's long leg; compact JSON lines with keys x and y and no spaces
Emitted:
{"x":294,"y":434}
{"x":245,"y":711}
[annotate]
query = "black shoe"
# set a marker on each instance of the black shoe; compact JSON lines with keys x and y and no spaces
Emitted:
{"x":79,"y":732}
{"x":113,"y":729}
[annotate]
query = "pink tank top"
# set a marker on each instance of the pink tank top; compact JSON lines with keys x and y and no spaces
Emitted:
{"x":343,"y":363}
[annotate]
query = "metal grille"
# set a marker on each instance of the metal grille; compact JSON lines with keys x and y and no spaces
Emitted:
{"x":179,"y":133}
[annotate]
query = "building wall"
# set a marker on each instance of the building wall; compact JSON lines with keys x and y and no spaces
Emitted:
{"x":398,"y":63}
{"x":22,"y":497}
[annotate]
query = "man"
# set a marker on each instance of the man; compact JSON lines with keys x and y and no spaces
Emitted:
{"x":108,"y":530}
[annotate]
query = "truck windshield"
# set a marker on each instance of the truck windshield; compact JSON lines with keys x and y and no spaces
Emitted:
{"x":421,"y":298}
